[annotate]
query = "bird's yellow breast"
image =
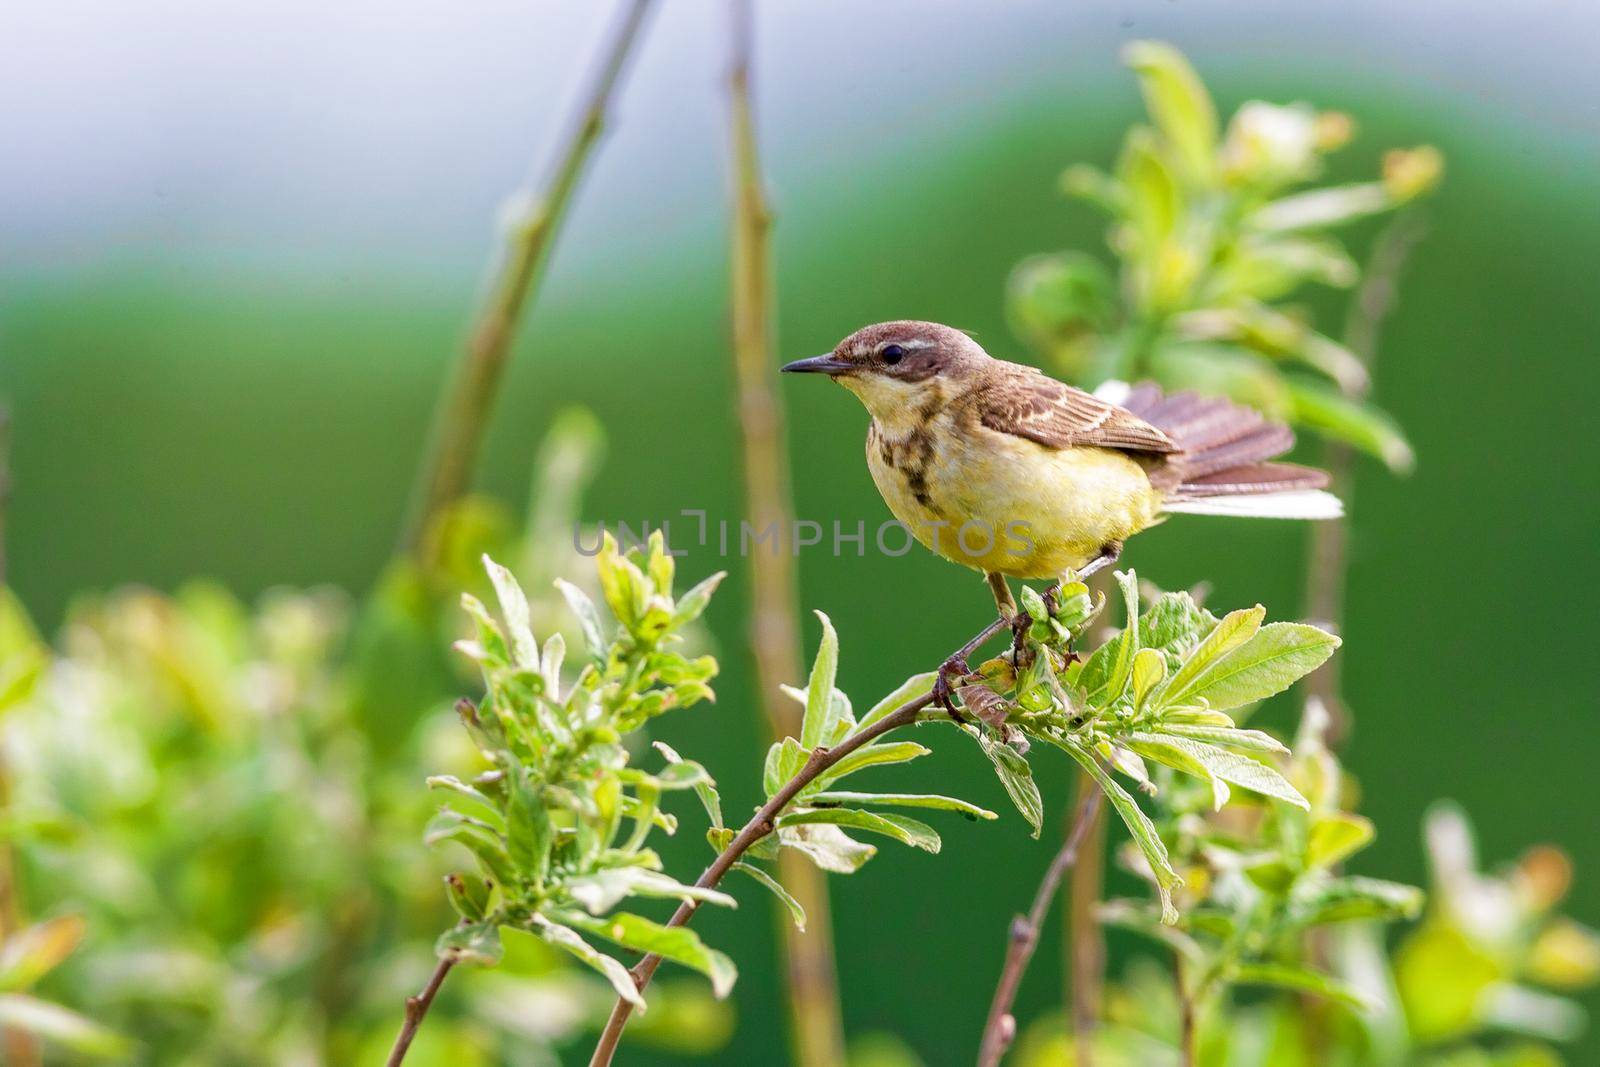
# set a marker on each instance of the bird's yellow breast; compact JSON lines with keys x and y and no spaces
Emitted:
{"x":1001,"y":503}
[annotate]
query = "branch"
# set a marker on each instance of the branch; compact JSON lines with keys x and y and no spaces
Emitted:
{"x":760,"y":825}
{"x":1187,"y":1048}
{"x":1001,"y":1029}
{"x":815,"y":1024}
{"x":1086,"y":943}
{"x":416,"y":1008}
{"x":534,"y":216}
{"x":1328,"y":563}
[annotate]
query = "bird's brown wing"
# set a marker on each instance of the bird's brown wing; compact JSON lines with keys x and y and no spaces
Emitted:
{"x":1025,"y":403}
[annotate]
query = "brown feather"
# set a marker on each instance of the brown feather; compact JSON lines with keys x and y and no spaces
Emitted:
{"x":1025,"y":403}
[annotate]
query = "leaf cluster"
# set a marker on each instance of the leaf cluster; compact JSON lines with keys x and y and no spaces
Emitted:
{"x":1213,"y":230}
{"x":819,"y":822}
{"x":560,"y":819}
{"x":1157,"y":694}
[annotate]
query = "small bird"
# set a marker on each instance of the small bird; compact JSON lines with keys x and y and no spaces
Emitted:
{"x":1003,"y":469}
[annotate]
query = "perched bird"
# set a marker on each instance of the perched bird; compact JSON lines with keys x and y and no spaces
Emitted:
{"x":1001,"y":468}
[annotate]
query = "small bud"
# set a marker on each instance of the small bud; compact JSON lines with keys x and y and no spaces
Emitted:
{"x":1334,"y":129}
{"x":1410,"y":172}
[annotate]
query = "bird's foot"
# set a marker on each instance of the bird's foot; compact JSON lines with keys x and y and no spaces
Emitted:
{"x":952,"y":672}
{"x":1020,"y":653}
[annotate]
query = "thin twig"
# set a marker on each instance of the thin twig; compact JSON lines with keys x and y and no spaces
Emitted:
{"x":816,"y":1027}
{"x":1001,"y":1028}
{"x":1086,"y":942}
{"x":533,"y":217}
{"x":416,"y":1008}
{"x":1186,"y":1022}
{"x":1328,"y":561}
{"x":760,"y":825}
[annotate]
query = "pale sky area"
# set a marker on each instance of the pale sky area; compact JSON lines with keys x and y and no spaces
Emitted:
{"x":297,"y":129}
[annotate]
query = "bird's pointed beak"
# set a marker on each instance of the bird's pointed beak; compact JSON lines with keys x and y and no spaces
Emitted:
{"x":827,"y":363}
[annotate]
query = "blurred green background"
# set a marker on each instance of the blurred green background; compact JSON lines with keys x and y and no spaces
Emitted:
{"x":240,"y":390}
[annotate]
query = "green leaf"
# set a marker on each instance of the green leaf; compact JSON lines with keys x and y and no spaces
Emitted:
{"x":1226,"y":736}
{"x":1300,"y":980}
{"x":1336,"y":837}
{"x":796,"y":912}
{"x":918,"y":685}
{"x":705,"y":788}
{"x":1178,"y":102}
{"x":476,"y":836}
{"x":1354,"y":422}
{"x":871,"y":756}
{"x":1127,"y":643}
{"x":1149,"y":670}
{"x":555,"y":653}
{"x":1274,"y":658}
{"x":906,"y":831}
{"x":1235,"y":629}
{"x":818,"y":722}
{"x":1174,"y":624}
{"x":1140,"y":827}
{"x":475,"y":943}
{"x":692,"y":604}
{"x":621,"y":583}
{"x":529,"y":833}
{"x":23,"y":657}
{"x":1017,"y":778}
{"x":1223,"y":370}
{"x":1353,"y":898}
{"x":588,"y":618}
{"x":784,"y":760}
{"x":903,"y":800}
{"x":677,"y":943}
{"x":514,"y":609}
{"x":1169,"y":754}
{"x":61,"y":1026}
{"x":1231,"y":767}
{"x":829,"y":847}
{"x":566,"y":938}
{"x":603,"y":890}
{"x":1318,"y":209}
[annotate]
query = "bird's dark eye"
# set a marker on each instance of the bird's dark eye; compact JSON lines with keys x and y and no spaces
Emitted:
{"x":893,"y":354}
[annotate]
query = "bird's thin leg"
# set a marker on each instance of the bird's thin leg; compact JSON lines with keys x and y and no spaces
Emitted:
{"x":955,"y":669}
{"x":1002,"y":594}
{"x":1110,"y":552}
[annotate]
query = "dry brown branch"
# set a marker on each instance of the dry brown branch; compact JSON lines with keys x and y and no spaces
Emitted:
{"x":812,"y":983}
{"x":1001,"y":1028}
{"x":1328,"y":561}
{"x":760,"y":825}
{"x":533,"y":218}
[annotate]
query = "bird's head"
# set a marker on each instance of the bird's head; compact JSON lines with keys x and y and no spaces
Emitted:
{"x":899,"y":366}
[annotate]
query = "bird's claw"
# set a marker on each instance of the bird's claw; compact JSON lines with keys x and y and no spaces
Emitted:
{"x":951,"y":672}
{"x":1020,"y":622}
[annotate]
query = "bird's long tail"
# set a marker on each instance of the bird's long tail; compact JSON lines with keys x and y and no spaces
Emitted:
{"x":1224,"y":466}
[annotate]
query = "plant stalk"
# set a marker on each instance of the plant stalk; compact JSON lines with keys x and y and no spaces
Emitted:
{"x":1187,"y":1037}
{"x":816,"y":1028}
{"x":1328,"y":561}
{"x":1001,"y":1028}
{"x":533,"y":218}
{"x":760,"y":825}
{"x":1083,"y":941}
{"x":1086,"y":942}
{"x":416,"y":1009}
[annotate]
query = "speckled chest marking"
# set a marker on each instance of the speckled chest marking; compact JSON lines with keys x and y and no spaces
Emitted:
{"x":910,"y":455}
